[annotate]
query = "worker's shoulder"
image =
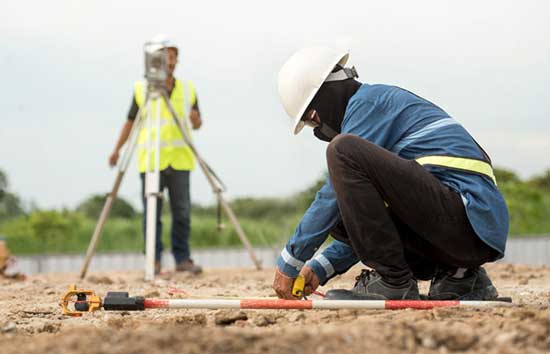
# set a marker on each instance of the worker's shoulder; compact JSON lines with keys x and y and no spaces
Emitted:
{"x":389,"y":94}
{"x":384,"y":90}
{"x":373,"y":92}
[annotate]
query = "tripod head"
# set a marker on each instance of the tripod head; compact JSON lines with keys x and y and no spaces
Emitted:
{"x":156,"y":62}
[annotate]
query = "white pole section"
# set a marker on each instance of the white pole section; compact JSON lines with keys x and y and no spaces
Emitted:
{"x":151,"y":192}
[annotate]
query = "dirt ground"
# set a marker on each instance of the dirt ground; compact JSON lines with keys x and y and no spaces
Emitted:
{"x":31,"y":320}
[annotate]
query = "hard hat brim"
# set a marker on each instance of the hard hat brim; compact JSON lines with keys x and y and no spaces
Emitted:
{"x":298,"y":123}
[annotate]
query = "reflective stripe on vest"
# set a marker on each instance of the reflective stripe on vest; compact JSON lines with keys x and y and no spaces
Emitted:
{"x":163,"y":144}
{"x":461,"y":164}
{"x":173,"y":150}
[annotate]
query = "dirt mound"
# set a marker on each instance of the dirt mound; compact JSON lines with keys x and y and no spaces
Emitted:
{"x":31,"y":321}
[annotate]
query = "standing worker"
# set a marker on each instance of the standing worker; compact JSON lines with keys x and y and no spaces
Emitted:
{"x":409,"y":193}
{"x":176,"y":160}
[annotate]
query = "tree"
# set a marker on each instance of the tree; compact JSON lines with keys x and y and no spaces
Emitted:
{"x":10,"y":203}
{"x":92,"y":206}
{"x":3,"y":182}
{"x":306,"y":197}
{"x":542,"y":181}
{"x":504,"y":176}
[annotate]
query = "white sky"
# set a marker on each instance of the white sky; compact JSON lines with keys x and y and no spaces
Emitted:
{"x":67,"y":70}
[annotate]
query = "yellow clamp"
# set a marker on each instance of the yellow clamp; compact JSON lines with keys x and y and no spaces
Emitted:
{"x":298,"y":287}
{"x":93,"y":301}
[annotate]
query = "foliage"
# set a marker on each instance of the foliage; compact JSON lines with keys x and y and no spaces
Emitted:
{"x":10,"y":204}
{"x":541,"y":182}
{"x":256,"y":208}
{"x":54,"y":232}
{"x":266,"y":221}
{"x":42,"y":230}
{"x":3,"y":181}
{"x":92,"y":206}
{"x":506,"y":176}
{"x":306,"y":197}
{"x":528,"y":203}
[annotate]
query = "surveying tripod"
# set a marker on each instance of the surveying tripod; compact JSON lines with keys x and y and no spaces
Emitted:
{"x":158,"y":92}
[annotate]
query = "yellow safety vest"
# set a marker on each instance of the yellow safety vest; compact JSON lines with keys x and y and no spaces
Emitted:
{"x":174,"y":151}
{"x":460,"y":163}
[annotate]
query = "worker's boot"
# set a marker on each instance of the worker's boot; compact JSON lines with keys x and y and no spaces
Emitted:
{"x":188,"y":266}
{"x":371,"y":286}
{"x":465,"y":284}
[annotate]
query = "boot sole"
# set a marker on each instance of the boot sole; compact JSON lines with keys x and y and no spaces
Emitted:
{"x":341,"y":294}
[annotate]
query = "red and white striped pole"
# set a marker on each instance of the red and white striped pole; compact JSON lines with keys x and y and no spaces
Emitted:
{"x":276,"y":304}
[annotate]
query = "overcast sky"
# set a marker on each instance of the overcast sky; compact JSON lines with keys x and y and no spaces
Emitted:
{"x":68,"y":67}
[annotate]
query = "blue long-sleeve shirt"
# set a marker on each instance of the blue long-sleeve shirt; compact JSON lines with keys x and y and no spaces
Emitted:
{"x":410,"y":127}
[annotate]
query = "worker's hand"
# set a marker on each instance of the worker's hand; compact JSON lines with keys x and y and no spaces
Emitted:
{"x":195,"y":118}
{"x":113,"y":159}
{"x":282,"y":284}
{"x":311,"y":280}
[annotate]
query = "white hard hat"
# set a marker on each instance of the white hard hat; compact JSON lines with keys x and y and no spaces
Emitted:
{"x":160,"y":41}
{"x":303,"y":74}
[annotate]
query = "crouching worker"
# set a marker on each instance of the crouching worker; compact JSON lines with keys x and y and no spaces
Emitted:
{"x":410,"y":193}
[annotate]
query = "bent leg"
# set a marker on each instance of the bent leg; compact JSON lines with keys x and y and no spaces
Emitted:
{"x":365,"y":176}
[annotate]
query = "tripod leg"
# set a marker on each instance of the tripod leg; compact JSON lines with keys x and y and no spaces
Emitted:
{"x":99,"y":226}
{"x":124,"y":162}
{"x":240,"y":231}
{"x":216,"y":189}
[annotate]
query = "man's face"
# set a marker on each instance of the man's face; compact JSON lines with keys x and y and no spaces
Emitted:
{"x":311,"y":118}
{"x":172,"y":61}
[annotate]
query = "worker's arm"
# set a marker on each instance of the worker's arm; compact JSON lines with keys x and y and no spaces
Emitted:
{"x":195,"y":115}
{"x":124,"y":133}
{"x":335,"y":259}
{"x":310,"y":234}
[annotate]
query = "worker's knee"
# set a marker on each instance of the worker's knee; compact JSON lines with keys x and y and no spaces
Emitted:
{"x":342,"y":145}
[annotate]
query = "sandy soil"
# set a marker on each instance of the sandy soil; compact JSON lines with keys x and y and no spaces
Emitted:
{"x":31,"y":321}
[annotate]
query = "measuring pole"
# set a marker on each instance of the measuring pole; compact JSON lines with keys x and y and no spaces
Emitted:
{"x":276,"y":304}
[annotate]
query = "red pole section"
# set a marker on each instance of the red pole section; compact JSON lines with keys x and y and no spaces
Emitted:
{"x":156,"y":303}
{"x":276,"y":304}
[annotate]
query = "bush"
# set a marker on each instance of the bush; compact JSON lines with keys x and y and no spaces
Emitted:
{"x":505,"y":176}
{"x":541,"y":182}
{"x":92,"y":206}
{"x":529,"y":208}
{"x":43,"y":231}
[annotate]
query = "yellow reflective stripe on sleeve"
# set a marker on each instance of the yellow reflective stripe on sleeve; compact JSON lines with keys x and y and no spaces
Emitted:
{"x":459,"y":163}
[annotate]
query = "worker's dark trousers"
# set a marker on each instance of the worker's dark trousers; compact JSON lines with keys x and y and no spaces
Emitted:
{"x":177,"y":183}
{"x":425,"y":226}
